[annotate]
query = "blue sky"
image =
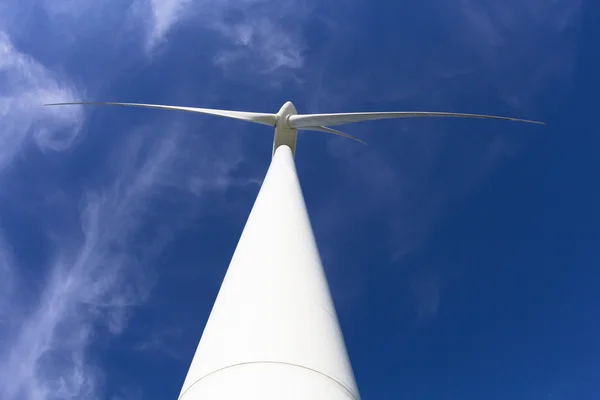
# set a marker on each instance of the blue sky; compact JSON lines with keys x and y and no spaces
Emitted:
{"x":462,"y":255}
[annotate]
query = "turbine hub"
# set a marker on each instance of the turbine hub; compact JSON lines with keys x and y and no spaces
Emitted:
{"x":284,"y":113}
{"x":285,"y":135}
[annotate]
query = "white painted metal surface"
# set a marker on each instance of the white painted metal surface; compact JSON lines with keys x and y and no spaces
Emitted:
{"x":273,"y":332}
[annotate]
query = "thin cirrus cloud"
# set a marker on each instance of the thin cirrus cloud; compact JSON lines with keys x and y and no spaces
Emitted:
{"x":70,"y":19}
{"x":262,"y":41}
{"x":24,"y":85}
{"x":90,"y":283}
{"x":255,"y":33}
{"x":160,"y":17}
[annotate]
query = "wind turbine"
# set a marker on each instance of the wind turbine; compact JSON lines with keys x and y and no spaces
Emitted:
{"x":273,"y":332}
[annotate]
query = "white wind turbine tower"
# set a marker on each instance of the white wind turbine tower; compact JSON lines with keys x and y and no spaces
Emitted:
{"x":273,"y":332}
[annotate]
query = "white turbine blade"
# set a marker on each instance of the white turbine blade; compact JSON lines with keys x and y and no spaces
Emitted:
{"x":309,"y":120}
{"x":332,"y":131}
{"x":260,"y":118}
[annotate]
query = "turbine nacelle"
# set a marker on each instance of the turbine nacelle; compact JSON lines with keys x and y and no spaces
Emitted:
{"x":285,"y":135}
{"x":287,"y":122}
{"x":284,"y":112}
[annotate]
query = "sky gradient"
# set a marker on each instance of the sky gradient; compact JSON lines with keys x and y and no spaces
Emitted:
{"x":463,"y":255}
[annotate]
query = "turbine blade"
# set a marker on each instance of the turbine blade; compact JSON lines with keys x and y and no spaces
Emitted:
{"x":260,"y":118}
{"x":332,"y":131}
{"x":301,"y":121}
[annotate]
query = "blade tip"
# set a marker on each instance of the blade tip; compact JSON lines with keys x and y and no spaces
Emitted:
{"x":60,"y":104}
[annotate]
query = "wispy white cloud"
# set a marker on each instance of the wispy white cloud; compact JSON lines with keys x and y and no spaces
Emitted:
{"x":25,"y":85}
{"x":159,"y":17}
{"x":260,"y":35}
{"x":261,"y":40}
{"x":165,"y":14}
{"x":266,"y":35}
{"x":94,"y":280}
{"x":78,"y":20}
{"x":46,"y":358}
{"x":155,"y":18}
